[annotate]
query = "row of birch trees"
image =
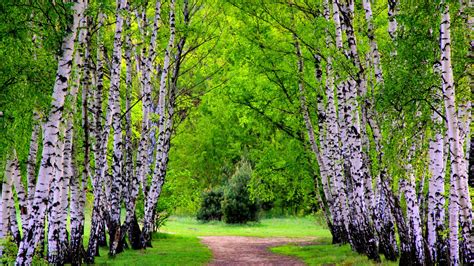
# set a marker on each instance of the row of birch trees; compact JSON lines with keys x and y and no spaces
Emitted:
{"x":93,"y":153}
{"x":404,"y":195}
{"x":363,"y":208}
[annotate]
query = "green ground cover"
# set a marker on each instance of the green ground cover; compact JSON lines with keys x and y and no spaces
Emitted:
{"x":275,"y":227}
{"x":327,"y":254}
{"x":168,"y":249}
{"x":178,"y":243}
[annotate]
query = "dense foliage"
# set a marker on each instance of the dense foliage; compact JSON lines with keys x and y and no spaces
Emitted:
{"x":359,"y":110}
{"x":237,"y":206}
{"x":211,"y":206}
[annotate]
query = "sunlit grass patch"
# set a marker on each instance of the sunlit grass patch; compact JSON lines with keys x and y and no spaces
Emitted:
{"x":275,"y":227}
{"x":327,"y":254}
{"x":167,"y":249}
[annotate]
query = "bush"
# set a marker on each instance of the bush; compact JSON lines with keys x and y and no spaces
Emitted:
{"x":211,"y":206}
{"x":10,"y":250}
{"x":237,"y":206}
{"x":162,"y":213}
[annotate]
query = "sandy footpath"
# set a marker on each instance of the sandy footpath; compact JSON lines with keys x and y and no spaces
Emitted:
{"x":241,"y":250}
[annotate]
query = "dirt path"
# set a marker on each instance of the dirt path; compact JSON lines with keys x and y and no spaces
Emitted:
{"x":241,"y":250}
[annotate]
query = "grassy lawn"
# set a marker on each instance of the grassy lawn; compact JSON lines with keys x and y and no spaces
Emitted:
{"x":327,"y":254}
{"x":275,"y":227}
{"x":178,"y":243}
{"x":167,"y":249}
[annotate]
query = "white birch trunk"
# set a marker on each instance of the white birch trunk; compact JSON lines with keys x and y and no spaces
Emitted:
{"x":147,"y":69}
{"x":413,"y":210}
{"x":117,"y":183}
{"x":158,"y":174}
{"x":57,"y":233}
{"x":374,"y":51}
{"x":77,"y":194}
{"x":97,"y":217}
{"x":436,"y":215}
{"x":459,"y":195}
{"x":132,"y":184}
{"x":335,"y":156}
{"x":326,"y":169}
{"x":363,"y":236}
{"x":55,"y":252}
{"x":383,"y":219}
{"x":392,"y":21}
{"x":467,"y":238}
{"x":310,"y":129}
{"x":14,"y":229}
{"x":51,"y":132}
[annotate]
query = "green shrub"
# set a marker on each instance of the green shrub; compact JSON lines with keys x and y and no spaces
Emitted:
{"x":163,"y":211}
{"x":211,"y":206}
{"x":10,"y":250}
{"x":237,"y":206}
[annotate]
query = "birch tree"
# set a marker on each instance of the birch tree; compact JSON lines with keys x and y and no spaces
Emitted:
{"x":117,"y":183}
{"x":382,"y":216}
{"x":362,"y":231}
{"x":458,"y":182}
{"x":159,"y":174}
{"x":97,"y":217}
{"x":147,"y":70}
{"x":130,"y":226}
{"x":51,"y":132}
{"x":436,"y":201}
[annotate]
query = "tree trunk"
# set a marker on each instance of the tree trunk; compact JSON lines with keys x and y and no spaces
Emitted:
{"x":459,"y":195}
{"x":55,"y":251}
{"x":117,"y":183}
{"x":362,"y":231}
{"x":77,"y":207}
{"x":392,"y":21}
{"x":436,"y":215}
{"x":147,"y":68}
{"x":467,"y":238}
{"x":408,"y":187}
{"x":97,"y":217}
{"x":158,"y":174}
{"x":132,"y":185}
{"x":382,"y":216}
{"x":49,"y":163}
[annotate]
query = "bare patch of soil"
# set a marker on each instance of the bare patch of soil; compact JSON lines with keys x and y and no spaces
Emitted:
{"x":241,"y":250}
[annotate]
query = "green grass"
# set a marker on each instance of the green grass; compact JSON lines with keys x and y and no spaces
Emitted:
{"x":167,"y":249}
{"x":275,"y":227}
{"x":325,"y":253}
{"x":178,"y":243}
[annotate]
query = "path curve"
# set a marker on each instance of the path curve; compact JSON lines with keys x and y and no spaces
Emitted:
{"x":242,"y":250}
